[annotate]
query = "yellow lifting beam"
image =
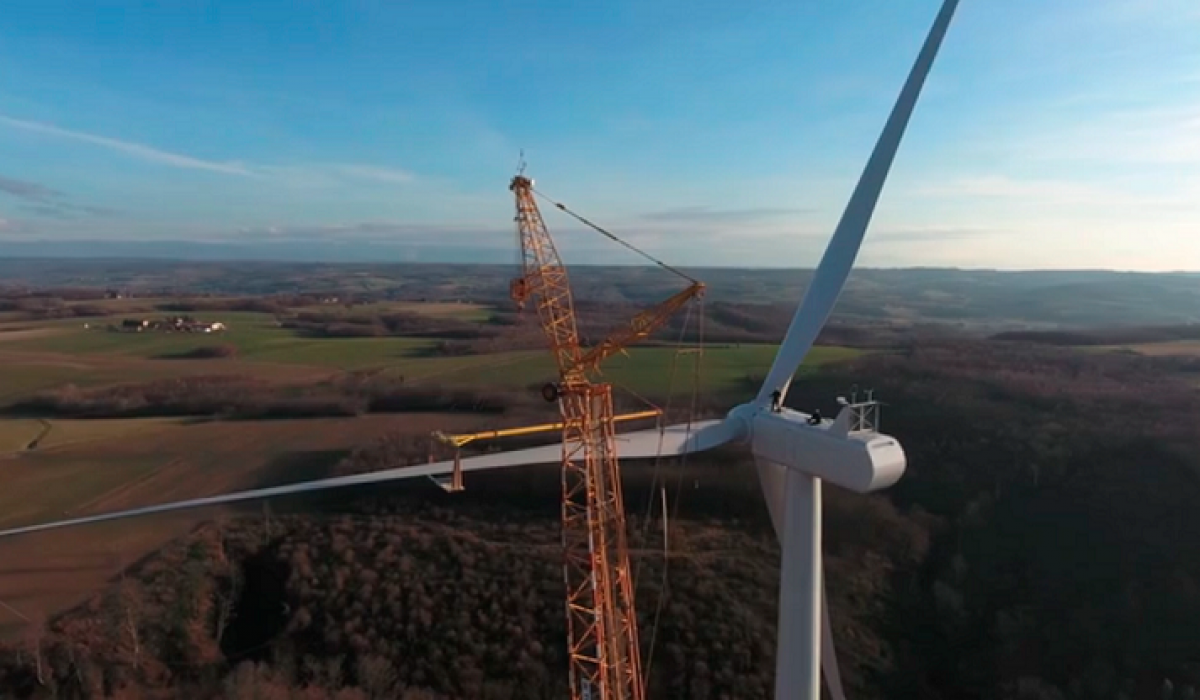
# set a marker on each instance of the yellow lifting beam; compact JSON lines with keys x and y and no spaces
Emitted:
{"x":455,"y":483}
{"x":462,"y":439}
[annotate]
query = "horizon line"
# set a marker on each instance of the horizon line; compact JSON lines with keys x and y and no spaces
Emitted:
{"x":416,"y":263}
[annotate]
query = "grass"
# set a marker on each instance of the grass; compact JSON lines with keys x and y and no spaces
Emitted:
{"x":257,"y":338}
{"x":65,"y":432}
{"x":462,"y":312}
{"x":247,"y":331}
{"x":116,"y":464}
{"x":91,"y":464}
{"x":1185,"y":348}
{"x":645,"y":370}
{"x":15,"y":434}
{"x":1189,"y":348}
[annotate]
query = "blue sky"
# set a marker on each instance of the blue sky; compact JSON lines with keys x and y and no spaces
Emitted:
{"x":1050,"y":135}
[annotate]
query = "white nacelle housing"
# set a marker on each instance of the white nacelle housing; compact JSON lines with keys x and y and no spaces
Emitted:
{"x":859,"y":460}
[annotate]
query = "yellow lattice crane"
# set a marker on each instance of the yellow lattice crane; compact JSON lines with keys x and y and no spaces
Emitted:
{"x":602,"y":632}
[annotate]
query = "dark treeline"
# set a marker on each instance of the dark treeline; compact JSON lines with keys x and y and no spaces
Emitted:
{"x":1105,"y":336}
{"x":999,"y":300}
{"x":43,"y":308}
{"x":719,"y":322}
{"x":204,"y":352}
{"x":1039,"y":548}
{"x":68,"y":302}
{"x":358,"y":324}
{"x":54,"y":293}
{"x":240,"y":397}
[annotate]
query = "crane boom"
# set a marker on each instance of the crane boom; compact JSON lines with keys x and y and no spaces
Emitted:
{"x":544,"y":277}
{"x":640,"y":327}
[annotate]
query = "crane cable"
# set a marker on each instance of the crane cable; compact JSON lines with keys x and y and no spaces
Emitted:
{"x":614,"y":237}
{"x":654,"y":478}
{"x":697,"y":377}
{"x":650,"y":499}
{"x":657,"y":469}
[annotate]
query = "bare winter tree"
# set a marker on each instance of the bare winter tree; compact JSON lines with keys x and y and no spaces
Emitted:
{"x":130,"y":612}
{"x":228,"y":588}
{"x":376,"y":677}
{"x":227,"y":593}
{"x":35,"y":631}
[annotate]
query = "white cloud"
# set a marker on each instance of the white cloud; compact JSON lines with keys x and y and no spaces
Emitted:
{"x":1147,"y":136}
{"x":1060,"y":194}
{"x":137,"y":150}
{"x":372,"y":172}
{"x":313,"y":175}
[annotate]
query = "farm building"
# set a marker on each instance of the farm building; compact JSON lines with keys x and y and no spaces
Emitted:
{"x":183,"y":324}
{"x":135,"y":324}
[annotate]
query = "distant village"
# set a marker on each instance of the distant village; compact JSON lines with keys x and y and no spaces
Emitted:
{"x":170,"y":324}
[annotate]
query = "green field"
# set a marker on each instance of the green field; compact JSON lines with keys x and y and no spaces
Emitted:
{"x":66,"y":349}
{"x":257,"y":337}
{"x":645,"y":370}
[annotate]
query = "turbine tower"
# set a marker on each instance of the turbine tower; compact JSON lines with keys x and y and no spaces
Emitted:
{"x":794,"y":452}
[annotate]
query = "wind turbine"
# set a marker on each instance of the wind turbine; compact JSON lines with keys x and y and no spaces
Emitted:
{"x":794,"y":452}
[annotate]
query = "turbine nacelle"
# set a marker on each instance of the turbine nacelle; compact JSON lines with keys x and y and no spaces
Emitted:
{"x":846,"y":451}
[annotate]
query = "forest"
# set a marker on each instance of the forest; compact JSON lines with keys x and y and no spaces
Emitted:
{"x":1040,"y":547}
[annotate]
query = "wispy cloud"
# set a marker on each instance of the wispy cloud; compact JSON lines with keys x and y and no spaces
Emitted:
{"x":137,"y":150}
{"x":27,"y":190}
{"x":1145,"y":136}
{"x":41,"y":200}
{"x":395,"y":231}
{"x":1053,"y":193}
{"x":373,"y":172}
{"x":306,"y":175}
{"x":929,"y":234}
{"x":330,"y":175}
{"x":706,"y":214}
{"x":14,"y":228}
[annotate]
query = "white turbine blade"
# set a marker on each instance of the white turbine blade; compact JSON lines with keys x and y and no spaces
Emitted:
{"x":672,"y":440}
{"x":829,"y":664}
{"x":847,"y":238}
{"x":683,"y":438}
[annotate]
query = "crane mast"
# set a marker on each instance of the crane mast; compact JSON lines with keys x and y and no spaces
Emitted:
{"x":604,"y":661}
{"x":602,"y":633}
